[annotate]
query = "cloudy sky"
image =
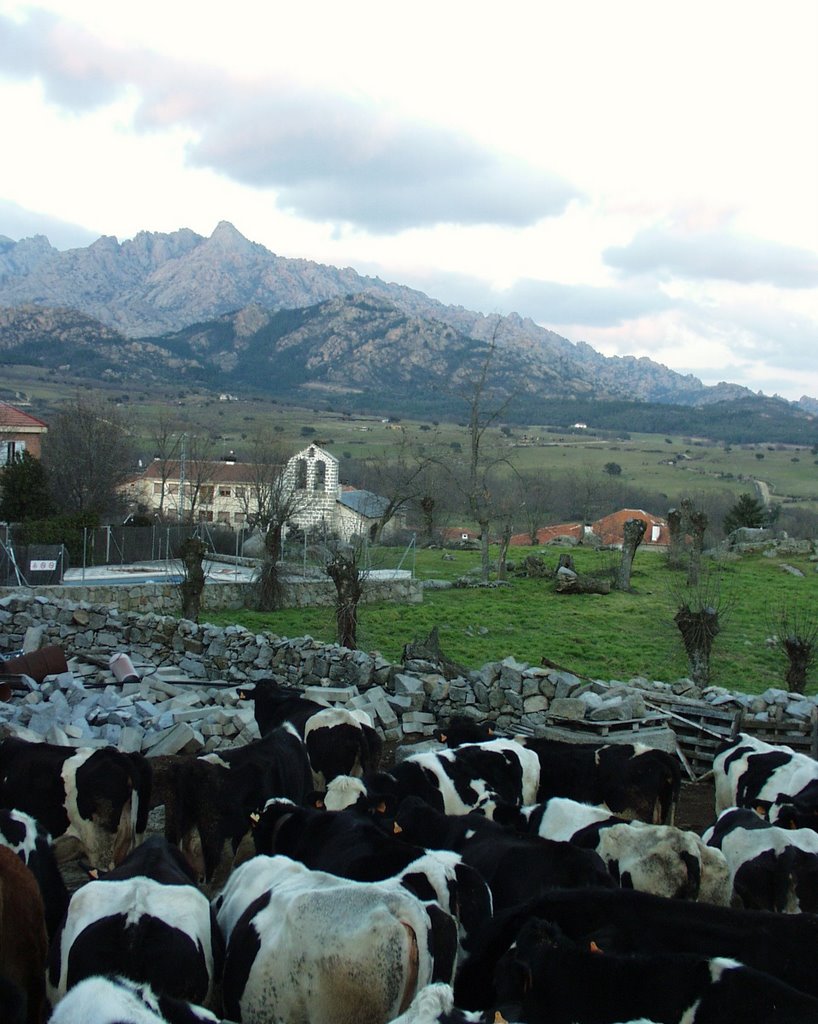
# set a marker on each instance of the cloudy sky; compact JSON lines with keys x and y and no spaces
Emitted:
{"x":642,"y":176}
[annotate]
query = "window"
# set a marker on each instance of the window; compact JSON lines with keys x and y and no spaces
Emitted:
{"x":224,"y":517}
{"x":301,"y":475}
{"x":241,"y":492}
{"x":320,"y":479}
{"x":206,"y":495}
{"x":205,"y":517}
{"x":239,"y":517}
{"x":157,"y":488}
{"x":11,"y":449}
{"x":224,"y":492}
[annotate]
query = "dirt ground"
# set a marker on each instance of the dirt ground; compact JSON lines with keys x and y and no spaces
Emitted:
{"x":696,"y":809}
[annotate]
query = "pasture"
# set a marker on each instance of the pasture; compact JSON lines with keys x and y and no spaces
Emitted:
{"x":612,"y":636}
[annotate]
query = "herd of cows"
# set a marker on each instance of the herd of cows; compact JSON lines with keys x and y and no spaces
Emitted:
{"x":490,"y":879}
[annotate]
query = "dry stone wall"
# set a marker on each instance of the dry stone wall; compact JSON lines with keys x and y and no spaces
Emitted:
{"x":186,"y":698}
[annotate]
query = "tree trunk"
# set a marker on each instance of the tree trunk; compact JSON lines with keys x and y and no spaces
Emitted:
{"x":269,"y":588}
{"x":192,"y":552}
{"x":484,"y":550}
{"x":634,"y":531}
{"x":676,"y":547}
{"x":568,"y":584}
{"x":698,"y":525}
{"x":427,"y":513}
{"x":343,"y":571}
{"x":505,"y":540}
{"x":698,"y":628}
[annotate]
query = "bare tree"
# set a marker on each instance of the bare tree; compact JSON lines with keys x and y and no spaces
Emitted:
{"x":535,"y":491}
{"x":87,"y":454}
{"x":398,"y":476}
{"x":485,"y":408}
{"x":796,"y":636}
{"x":270,"y":501}
{"x":166,"y":436}
{"x":198,"y":474}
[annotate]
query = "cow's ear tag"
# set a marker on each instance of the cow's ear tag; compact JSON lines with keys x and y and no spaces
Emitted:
{"x":499,"y":1018}
{"x":761,"y":810}
{"x":396,"y":829}
{"x":594,"y":948}
{"x":381,"y":807}
{"x":443,"y":737}
{"x":318,"y":803}
{"x":255,"y":818}
{"x":93,"y":874}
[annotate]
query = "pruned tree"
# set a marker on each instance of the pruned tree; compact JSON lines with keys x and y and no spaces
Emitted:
{"x":795,"y":634}
{"x":24,"y":493}
{"x":88,"y":457}
{"x":191,"y":552}
{"x":535,"y":492}
{"x":633,"y":532}
{"x":198,"y":476}
{"x":342,"y":569}
{"x":701,"y":611}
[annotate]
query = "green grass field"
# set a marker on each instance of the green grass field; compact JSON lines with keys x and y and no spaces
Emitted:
{"x":613,"y":636}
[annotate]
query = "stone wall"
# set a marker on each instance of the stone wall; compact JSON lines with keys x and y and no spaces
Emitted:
{"x":405,"y":701}
{"x":164,"y":598}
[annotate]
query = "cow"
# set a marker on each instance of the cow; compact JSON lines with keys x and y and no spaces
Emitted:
{"x":354,"y":847}
{"x":339,"y":741}
{"x":772,"y":868}
{"x":29,"y":840}
{"x":462,"y":729}
{"x":93,"y":801}
{"x":307,"y":946}
{"x":23,"y":938}
{"x":630,"y":779}
{"x":515,"y":866}
{"x":628,"y":922}
{"x":554,"y":980}
{"x":472,"y":777}
{"x":210,"y":801}
{"x":776,"y":781}
{"x":661,"y":859}
{"x":147,"y":920}
{"x":118,"y":1000}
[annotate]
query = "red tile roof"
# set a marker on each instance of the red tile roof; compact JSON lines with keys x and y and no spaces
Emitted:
{"x":15,"y":419}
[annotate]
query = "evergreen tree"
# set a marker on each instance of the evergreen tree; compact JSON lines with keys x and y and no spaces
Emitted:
{"x":24,"y":487}
{"x":747,"y":511}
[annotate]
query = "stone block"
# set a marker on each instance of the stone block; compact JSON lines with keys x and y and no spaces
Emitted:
{"x":534,"y":704}
{"x":567,"y":707}
{"x":130,"y":740}
{"x":170,"y":741}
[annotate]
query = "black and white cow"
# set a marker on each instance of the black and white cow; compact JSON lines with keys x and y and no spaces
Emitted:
{"x":553,"y":980}
{"x":308,"y":946}
{"x":515,"y":866}
{"x":626,"y":922}
{"x":462,"y":729}
{"x":352,"y":846}
{"x":772,"y":868}
{"x":776,"y":781}
{"x":93,"y":802}
{"x":661,"y":859}
{"x":339,"y":741}
{"x":146,"y":920}
{"x":26,"y":837}
{"x":118,"y":1000}
{"x":631,"y":779}
{"x":471,"y":777}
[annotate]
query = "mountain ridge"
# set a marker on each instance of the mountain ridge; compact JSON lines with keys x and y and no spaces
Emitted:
{"x":157,"y":289}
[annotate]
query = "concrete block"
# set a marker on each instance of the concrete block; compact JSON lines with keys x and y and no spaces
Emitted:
{"x":170,"y":741}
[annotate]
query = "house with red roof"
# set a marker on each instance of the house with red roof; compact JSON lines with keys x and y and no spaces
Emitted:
{"x":19,"y":432}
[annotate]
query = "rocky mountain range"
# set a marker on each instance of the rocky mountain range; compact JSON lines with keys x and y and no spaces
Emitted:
{"x":226,"y":312}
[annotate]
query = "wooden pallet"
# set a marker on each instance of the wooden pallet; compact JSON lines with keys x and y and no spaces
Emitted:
{"x":701,"y":729}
